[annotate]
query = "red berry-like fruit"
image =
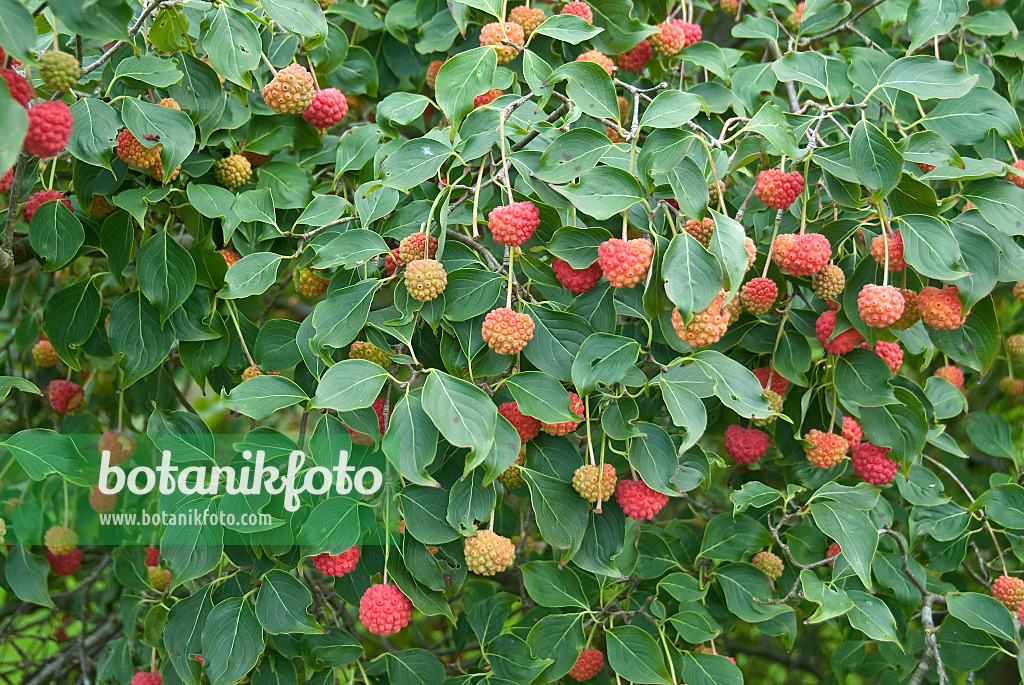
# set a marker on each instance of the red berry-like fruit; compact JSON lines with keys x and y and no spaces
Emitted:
{"x":802,"y":255}
{"x":39,"y":199}
{"x":745,"y":445}
{"x":1011,"y":387}
{"x":871,"y":463}
{"x":580,"y":9}
{"x":44,"y":355}
{"x":152,"y":556}
{"x":134,"y":153}
{"x":599,"y":58}
{"x":513,"y":224}
{"x":507,"y":331}
{"x":496,"y":32}
{"x":1016,"y":179}
{"x":527,"y":426}
{"x":701,"y":230}
{"x":852,"y":432}
{"x":892,"y":353}
{"x":65,"y":396}
{"x":64,"y":564}
{"x":6,"y":180}
{"x":337,"y":564}
{"x":328,"y":107}
{"x":412,"y":247}
{"x":20,"y":89}
{"x":576,"y":280}
{"x":770,"y":563}
{"x":384,"y":610}
{"x":670,"y":39}
{"x":842,"y":343}
{"x":363,"y":438}
{"x":779,"y":384}
{"x":758,"y":295}
{"x":826,"y":449}
{"x":425,"y":279}
{"x":879,"y":305}
{"x":530,"y":18}
{"x":392,"y":260}
{"x":432,"y":70}
{"x":588,"y":664}
{"x":101,"y":503}
{"x":487,"y":98}
{"x":290,"y":91}
{"x":638,"y":501}
{"x":895,"y":242}
{"x":940,"y":309}
{"x":143,"y":678}
{"x":706,"y":327}
{"x":778,"y":189}
{"x":829,"y":282}
{"x":625,"y":262}
{"x":636,"y":59}
{"x":833,"y":551}
{"x":1009,"y":590}
{"x":488,"y":553}
{"x":49,"y":129}
{"x":594,"y":483}
{"x":120,"y":446}
{"x":576,"y":406}
{"x":951,"y":373}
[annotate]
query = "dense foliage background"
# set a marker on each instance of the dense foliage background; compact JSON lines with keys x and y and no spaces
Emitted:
{"x":205,"y":263}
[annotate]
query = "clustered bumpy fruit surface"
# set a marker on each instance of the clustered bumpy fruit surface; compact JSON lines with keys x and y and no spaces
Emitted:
{"x":1009,"y":590}
{"x":488,"y":553}
{"x":60,"y":539}
{"x":49,"y":128}
{"x":891,"y":353}
{"x":507,"y":331}
{"x":134,"y":152}
{"x":576,"y":280}
{"x":638,"y":501}
{"x":895,"y":242}
{"x":432,"y":69}
{"x":706,"y":327}
{"x":826,"y":449}
{"x":871,"y":463}
{"x":527,"y":426}
{"x":64,"y":564}
{"x":159,"y":578}
{"x":328,"y":107}
{"x":625,"y":262}
{"x":1015,"y":345}
{"x":425,"y":279}
{"x":495,"y":32}
{"x":588,"y":664}
{"x":758,"y":295}
{"x":580,"y":9}
{"x":59,"y":70}
{"x":144,"y":678}
{"x":940,"y":309}
{"x":513,"y":224}
{"x":852,"y":432}
{"x":577,"y":407}
{"x":512,"y":477}
{"x":290,"y":91}
{"x":702,"y":230}
{"x":384,"y":610}
{"x":829,"y":282}
{"x":39,"y":199}
{"x":840,"y":344}
{"x":599,"y":58}
{"x":361,"y":349}
{"x":778,"y":383}
{"x":65,"y":396}
{"x":337,"y":564}
{"x":411,"y":247}
{"x":20,"y":89}
{"x":673,"y":36}
{"x":636,"y":59}
{"x":778,"y":189}
{"x":120,"y":446}
{"x":879,"y":305}
{"x":487,"y":98}
{"x":233,"y":171}
{"x":745,"y":445}
{"x":1017,"y":179}
{"x":530,"y":18}
{"x":44,"y":355}
{"x":770,"y":563}
{"x":802,"y":255}
{"x":952,"y":374}
{"x":592,"y":486}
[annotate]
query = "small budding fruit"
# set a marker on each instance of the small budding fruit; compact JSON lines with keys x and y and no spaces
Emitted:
{"x":576,"y":406}
{"x":1011,"y":387}
{"x":159,"y":578}
{"x":65,"y":396}
{"x":169,"y":102}
{"x":701,"y":230}
{"x":778,"y":189}
{"x":527,"y":426}
{"x":588,"y":664}
{"x":143,"y":678}
{"x":952,"y":374}
{"x":879,"y":305}
{"x":328,"y":107}
{"x":507,"y":331}
{"x":1014,"y":346}
{"x":308,"y":284}
{"x":758,"y":295}
{"x":511,"y":477}
{"x":794,"y":19}
{"x":432,"y":70}
{"x":636,"y":59}
{"x":488,"y":553}
{"x":384,"y":610}
{"x":120,"y":446}
{"x":895,"y":242}
{"x":802,"y":255}
{"x":576,"y":280}
{"x":1017,"y":179}
{"x":1010,"y":591}
{"x":487,"y":98}
{"x":234,"y":171}
{"x":625,"y":262}
{"x":101,"y":503}
{"x":829,"y":282}
{"x":826,"y":449}
{"x":290,"y":91}
{"x":580,"y":9}
{"x":60,"y":540}
{"x":361,"y":349}
{"x":251,"y":372}
{"x":940,"y":309}
{"x":745,"y":445}
{"x":891,"y":353}
{"x":100,"y":207}
{"x":852,"y":432}
{"x":840,"y":344}
{"x":134,"y":153}
{"x":730,"y":7}
{"x":528,"y":17}
{"x":44,"y":355}
{"x":638,"y":501}
{"x":770,"y":563}
{"x":495,"y":32}
{"x":1018,"y":291}
{"x":871,"y":463}
{"x":59,"y":70}
{"x":592,"y":486}
{"x":411,"y":247}
{"x":49,"y":129}
{"x":513,"y":224}
{"x":706,"y":327}
{"x":337,"y":564}
{"x":599,"y":58}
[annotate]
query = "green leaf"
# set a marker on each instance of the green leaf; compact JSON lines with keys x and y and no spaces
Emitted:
{"x":930,"y":247}
{"x":332,"y":526}
{"x":728,"y":538}
{"x":42,"y":452}
{"x":349,"y":384}
{"x":166,"y":273}
{"x":771,"y":123}
{"x":250,"y":275}
{"x":192,"y":551}
{"x":927,"y":19}
{"x":590,"y":88}
{"x":159,"y":72}
{"x":635,"y":656}
{"x":415,"y":162}
{"x":23,"y":384}
{"x":1003,"y":504}
{"x":172,"y":129}
{"x":461,"y":79}
{"x":991,"y":434}
{"x":233,"y":44}
{"x":561,"y":512}
{"x":671,"y":109}
{"x":182,"y":635}
{"x":135,"y":333}
{"x":982,"y":612}
{"x":281,"y":605}
{"x":303,"y":17}
{"x":604,"y":191}
{"x":926,"y":77}
{"x":261,"y":396}
{"x":871,"y":616}
{"x":693,"y":276}
{"x":17,"y":31}
{"x":552,"y":586}
{"x":655,"y":458}
{"x":55,"y":234}
{"x":93,"y":133}
{"x":854,"y":532}
{"x":70,"y":317}
{"x":559,"y":637}
{"x":603,"y":358}
{"x":567,"y":28}
{"x":411,"y":441}
{"x":967,"y":647}
{"x":874,"y":158}
{"x":742,"y":584}
{"x":862,"y":378}
{"x":26,"y":575}
{"x":413,"y":667}
{"x":232,"y":631}
{"x":901,"y":426}
{"x":710,"y":669}
{"x":540,"y":396}
{"x":463,"y":413}
{"x":338,"y":319}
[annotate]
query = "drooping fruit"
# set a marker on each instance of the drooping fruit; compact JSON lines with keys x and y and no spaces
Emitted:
{"x":328,"y":107}
{"x":44,"y":355}
{"x":59,"y":70}
{"x":514,"y":223}
{"x":770,"y":563}
{"x":361,"y":349}
{"x":49,"y":129}
{"x":494,"y":33}
{"x":636,"y":59}
{"x":488,"y":553}
{"x":758,"y":295}
{"x":527,"y":426}
{"x":290,"y":91}
{"x":879,"y":305}
{"x":507,"y":331}
{"x":706,"y":327}
{"x":576,"y":280}
{"x":825,"y":449}
{"x":599,"y":58}
{"x":588,"y":664}
{"x":580,"y":9}
{"x":829,"y":282}
{"x":120,"y":446}
{"x":308,"y":284}
{"x":638,"y":501}
{"x":871,"y":463}
{"x":1009,"y":590}
{"x":576,"y":406}
{"x":940,"y":309}
{"x":384,"y":609}
{"x":840,"y":344}
{"x":595,"y":483}
{"x":745,"y":445}
{"x":65,"y":396}
{"x":625,"y":262}
{"x":233,"y":171}
{"x":337,"y":564}
{"x":777,"y":188}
